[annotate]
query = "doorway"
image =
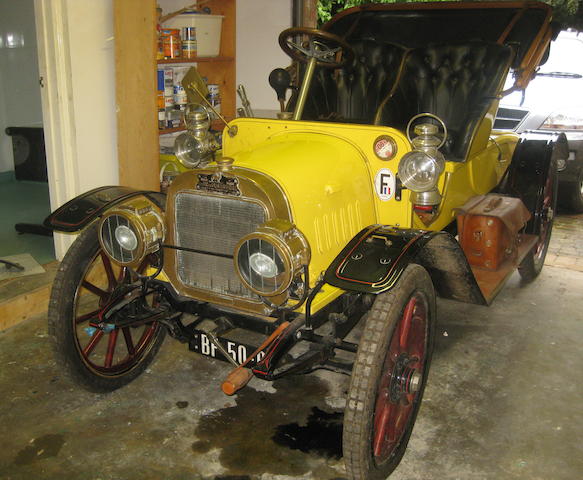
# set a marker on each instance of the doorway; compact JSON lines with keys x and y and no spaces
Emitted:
{"x":24,"y":190}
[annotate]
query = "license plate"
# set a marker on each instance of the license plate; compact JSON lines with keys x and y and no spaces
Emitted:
{"x":239,"y":352}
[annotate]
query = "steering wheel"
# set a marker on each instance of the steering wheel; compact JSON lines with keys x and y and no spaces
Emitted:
{"x":318,"y":44}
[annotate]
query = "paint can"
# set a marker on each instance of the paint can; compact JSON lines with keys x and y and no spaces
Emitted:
{"x":171,"y":45}
{"x":189,"y":42}
{"x":180,"y":97}
{"x":168,"y":82}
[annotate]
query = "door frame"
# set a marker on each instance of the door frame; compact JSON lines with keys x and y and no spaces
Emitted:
{"x":57,"y":107}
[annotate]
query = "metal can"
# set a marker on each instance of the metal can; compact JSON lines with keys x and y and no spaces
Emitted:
{"x":214,"y":97}
{"x":168,"y":82}
{"x":213,"y":89}
{"x":189,"y":42}
{"x":171,"y":45}
{"x":180,"y":97}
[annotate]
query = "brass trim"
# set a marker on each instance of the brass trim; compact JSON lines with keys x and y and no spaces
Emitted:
{"x":283,"y":252}
{"x":255,"y":187}
{"x":292,"y":247}
{"x":144,"y":215}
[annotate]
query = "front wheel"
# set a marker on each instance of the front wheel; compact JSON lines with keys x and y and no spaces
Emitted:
{"x":100,"y":355}
{"x":389,"y":376}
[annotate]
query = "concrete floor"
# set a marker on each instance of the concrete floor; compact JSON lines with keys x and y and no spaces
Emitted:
{"x":503,"y":402}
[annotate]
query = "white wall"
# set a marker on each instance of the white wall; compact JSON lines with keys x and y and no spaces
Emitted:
{"x":259,"y":23}
{"x":20,"y":103}
{"x":93,"y":76}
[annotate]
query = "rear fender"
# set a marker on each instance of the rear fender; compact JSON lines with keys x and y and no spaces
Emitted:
{"x":79,"y":212}
{"x":375,"y":259}
{"x":527,"y":174}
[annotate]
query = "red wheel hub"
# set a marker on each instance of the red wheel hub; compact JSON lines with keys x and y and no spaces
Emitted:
{"x":401,"y":378}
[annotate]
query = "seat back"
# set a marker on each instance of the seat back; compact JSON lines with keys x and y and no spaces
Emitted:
{"x":456,"y":82}
{"x":353,"y":93}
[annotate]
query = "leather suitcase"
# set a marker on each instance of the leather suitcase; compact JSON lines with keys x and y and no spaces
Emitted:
{"x":488,"y":227}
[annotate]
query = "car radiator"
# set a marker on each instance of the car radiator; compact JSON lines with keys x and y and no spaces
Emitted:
{"x":213,"y":226}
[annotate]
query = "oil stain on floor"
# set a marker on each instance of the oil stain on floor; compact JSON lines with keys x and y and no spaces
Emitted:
{"x":251,"y":434}
{"x":40,"y":448}
{"x":322,"y":434}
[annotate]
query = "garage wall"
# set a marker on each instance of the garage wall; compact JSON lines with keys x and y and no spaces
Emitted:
{"x":259,"y":23}
{"x":93,"y":77}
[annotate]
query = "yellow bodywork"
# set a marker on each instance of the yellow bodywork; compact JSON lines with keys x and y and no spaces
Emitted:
{"x":327,"y":172}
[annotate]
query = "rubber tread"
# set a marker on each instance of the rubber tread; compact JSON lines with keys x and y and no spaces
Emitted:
{"x":60,"y":329}
{"x":358,"y":417}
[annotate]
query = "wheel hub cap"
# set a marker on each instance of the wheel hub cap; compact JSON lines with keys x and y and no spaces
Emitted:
{"x":405,"y":380}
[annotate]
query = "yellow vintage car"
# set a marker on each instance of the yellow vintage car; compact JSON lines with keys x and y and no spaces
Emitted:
{"x":329,"y":230}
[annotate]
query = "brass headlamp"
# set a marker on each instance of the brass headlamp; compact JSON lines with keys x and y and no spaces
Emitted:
{"x":131,"y":230}
{"x":268,"y":259}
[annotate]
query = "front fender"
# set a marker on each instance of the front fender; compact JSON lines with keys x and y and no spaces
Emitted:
{"x":79,"y":212}
{"x":375,"y":259}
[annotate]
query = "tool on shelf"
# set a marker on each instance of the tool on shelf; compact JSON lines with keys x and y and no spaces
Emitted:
{"x":247,"y":110}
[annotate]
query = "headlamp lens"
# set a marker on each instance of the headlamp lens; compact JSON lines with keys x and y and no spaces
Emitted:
{"x":420,"y":171}
{"x":126,"y":237}
{"x":119,"y":239}
{"x":263,"y":265}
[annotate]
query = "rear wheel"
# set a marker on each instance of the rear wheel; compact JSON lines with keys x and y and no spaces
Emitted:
{"x":533,"y":263}
{"x":90,"y":346}
{"x":389,"y":376}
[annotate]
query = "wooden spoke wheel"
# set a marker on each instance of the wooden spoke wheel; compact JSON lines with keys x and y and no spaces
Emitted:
{"x":533,"y":263}
{"x":90,"y":298}
{"x":389,"y":376}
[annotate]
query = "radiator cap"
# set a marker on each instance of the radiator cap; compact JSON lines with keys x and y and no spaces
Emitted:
{"x":225,"y":163}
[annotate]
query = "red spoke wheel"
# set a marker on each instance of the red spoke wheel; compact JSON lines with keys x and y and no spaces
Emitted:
{"x":533,"y":263}
{"x":389,"y":376}
{"x":93,"y":350}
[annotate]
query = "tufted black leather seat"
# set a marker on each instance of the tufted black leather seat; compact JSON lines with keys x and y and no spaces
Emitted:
{"x":353,"y":93}
{"x":456,"y":82}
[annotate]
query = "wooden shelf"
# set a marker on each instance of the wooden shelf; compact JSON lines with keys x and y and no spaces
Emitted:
{"x":194,"y":60}
{"x":136,"y":79}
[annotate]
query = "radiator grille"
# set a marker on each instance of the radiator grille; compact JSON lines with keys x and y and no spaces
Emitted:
{"x":213,"y":225}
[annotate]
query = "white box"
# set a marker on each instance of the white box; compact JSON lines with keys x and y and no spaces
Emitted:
{"x":208,"y":31}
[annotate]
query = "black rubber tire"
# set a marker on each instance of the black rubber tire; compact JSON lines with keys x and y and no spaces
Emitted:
{"x":533,"y":264}
{"x":381,"y":322}
{"x":61,"y":322}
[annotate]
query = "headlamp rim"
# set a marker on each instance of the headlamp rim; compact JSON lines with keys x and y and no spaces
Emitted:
{"x":139,"y":226}
{"x":136,"y":227}
{"x":284,"y":253}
